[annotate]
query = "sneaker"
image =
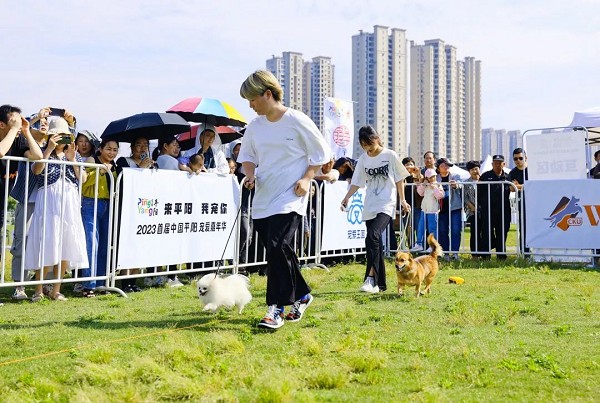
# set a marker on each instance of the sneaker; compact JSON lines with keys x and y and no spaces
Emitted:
{"x":428,"y":250}
{"x":368,"y":285}
{"x":77,"y":288}
{"x":273,"y":319}
{"x":417,"y":248}
{"x":128,"y":289}
{"x":374,"y":290}
{"x":174,"y":283}
{"x":135,"y":288}
{"x":298,"y":308}
{"x":59,"y":297}
{"x":37,"y":297}
{"x":19,"y":293}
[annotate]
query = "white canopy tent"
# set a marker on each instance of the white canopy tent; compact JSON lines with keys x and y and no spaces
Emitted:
{"x":590,"y":119}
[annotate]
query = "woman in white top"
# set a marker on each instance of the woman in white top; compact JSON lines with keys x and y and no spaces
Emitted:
{"x":382,"y":172}
{"x":282,"y":150}
{"x":168,"y":152}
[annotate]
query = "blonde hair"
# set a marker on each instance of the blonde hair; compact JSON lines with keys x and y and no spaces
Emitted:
{"x":258,"y":82}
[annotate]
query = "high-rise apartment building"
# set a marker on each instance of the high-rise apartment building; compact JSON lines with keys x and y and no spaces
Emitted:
{"x":445,"y":102}
{"x":305,"y":84}
{"x":379,"y":86}
{"x":319,"y":84}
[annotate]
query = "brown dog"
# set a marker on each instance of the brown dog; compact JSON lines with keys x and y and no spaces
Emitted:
{"x":413,"y":271}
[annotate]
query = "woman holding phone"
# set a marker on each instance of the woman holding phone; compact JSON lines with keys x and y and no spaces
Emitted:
{"x":140,"y":155}
{"x":56,"y":236}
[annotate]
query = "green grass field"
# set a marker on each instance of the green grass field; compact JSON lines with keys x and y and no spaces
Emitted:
{"x":517,"y":332}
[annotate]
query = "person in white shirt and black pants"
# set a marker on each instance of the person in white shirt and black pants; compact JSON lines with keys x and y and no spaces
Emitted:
{"x":281,"y":152}
{"x":381,"y":171}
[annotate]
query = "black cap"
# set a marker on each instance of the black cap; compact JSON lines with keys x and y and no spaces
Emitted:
{"x":498,"y":157}
{"x":473,"y":164}
{"x":443,"y":161}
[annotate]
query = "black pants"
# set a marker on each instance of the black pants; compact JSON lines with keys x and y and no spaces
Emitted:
{"x":285,"y":284}
{"x":374,"y":246}
{"x":495,"y":229}
{"x":476,"y":240}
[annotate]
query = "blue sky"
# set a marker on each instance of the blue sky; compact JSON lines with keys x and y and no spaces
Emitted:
{"x":105,"y":60}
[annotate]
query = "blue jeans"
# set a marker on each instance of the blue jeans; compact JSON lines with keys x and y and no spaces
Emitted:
{"x":450,"y":230}
{"x":428,"y":221}
{"x":99,"y":256}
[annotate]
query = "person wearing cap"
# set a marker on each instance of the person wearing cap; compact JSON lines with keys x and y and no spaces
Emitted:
{"x":518,"y":175}
{"x":495,"y":208}
{"x":472,"y":207}
{"x":24,"y":211}
{"x":450,"y":217}
{"x":56,"y":226}
{"x":381,"y":171}
{"x":432,"y":193}
{"x":87,"y":143}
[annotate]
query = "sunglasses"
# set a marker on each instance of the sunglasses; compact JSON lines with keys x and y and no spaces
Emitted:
{"x":518,"y":158}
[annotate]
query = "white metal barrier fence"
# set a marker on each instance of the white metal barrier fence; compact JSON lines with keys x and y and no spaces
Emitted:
{"x":50,"y":201}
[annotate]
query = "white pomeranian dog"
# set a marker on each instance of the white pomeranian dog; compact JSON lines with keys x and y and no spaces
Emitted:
{"x":228,"y":291}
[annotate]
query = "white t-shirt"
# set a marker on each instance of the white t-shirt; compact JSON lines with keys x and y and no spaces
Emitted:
{"x":282,"y":151}
{"x":380,"y":175}
{"x":167,"y":162}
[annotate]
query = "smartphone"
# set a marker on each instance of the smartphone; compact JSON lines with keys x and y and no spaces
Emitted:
{"x":57,"y":112}
{"x":143,"y":156}
{"x":66,"y":139}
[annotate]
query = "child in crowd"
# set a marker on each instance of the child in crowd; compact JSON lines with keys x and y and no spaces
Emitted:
{"x":432,"y":193}
{"x":195,"y":164}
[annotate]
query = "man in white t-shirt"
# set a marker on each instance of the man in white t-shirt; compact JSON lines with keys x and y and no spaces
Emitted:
{"x":281,"y":152}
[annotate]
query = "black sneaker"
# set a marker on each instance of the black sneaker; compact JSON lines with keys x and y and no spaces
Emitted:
{"x":298,"y":308}
{"x":273,"y":319}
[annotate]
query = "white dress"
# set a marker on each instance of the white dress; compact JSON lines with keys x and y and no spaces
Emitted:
{"x":56,"y":232}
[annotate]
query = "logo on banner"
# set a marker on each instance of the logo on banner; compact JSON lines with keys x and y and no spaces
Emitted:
{"x":341,"y":136}
{"x":147,"y":207}
{"x":336,"y":110}
{"x":565,"y":214}
{"x":355,"y":209}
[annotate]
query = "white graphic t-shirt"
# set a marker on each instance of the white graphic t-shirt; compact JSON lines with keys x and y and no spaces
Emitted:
{"x":380,"y":175}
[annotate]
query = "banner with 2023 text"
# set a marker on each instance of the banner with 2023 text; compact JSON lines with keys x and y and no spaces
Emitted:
{"x":342,"y":229}
{"x":170,"y":217}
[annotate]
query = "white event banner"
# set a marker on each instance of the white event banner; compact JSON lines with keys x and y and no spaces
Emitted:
{"x":552,"y":156}
{"x":563,"y":214}
{"x":342,"y":229}
{"x":338,"y":126}
{"x":171,"y":217}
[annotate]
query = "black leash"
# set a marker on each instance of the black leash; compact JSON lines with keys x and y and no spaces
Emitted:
{"x":228,"y":238}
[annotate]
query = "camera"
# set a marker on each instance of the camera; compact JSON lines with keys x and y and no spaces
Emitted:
{"x":57,"y":112}
{"x":66,"y":139}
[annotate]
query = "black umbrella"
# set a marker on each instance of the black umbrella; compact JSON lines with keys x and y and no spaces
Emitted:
{"x":153,"y":125}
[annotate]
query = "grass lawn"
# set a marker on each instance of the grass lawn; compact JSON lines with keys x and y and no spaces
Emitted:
{"x":517,"y":332}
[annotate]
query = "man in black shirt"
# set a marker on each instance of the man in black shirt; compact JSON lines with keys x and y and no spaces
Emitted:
{"x":495,"y":208}
{"x":518,"y":175}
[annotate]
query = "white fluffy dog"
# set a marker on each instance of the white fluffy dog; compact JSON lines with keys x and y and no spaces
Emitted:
{"x":217,"y":291}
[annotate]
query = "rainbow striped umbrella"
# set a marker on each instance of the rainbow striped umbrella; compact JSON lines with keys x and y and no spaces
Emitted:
{"x":208,"y":110}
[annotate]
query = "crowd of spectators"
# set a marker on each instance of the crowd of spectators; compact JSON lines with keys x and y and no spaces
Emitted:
{"x":60,"y":232}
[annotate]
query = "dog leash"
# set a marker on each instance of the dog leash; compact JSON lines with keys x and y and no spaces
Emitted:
{"x":228,"y":238}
